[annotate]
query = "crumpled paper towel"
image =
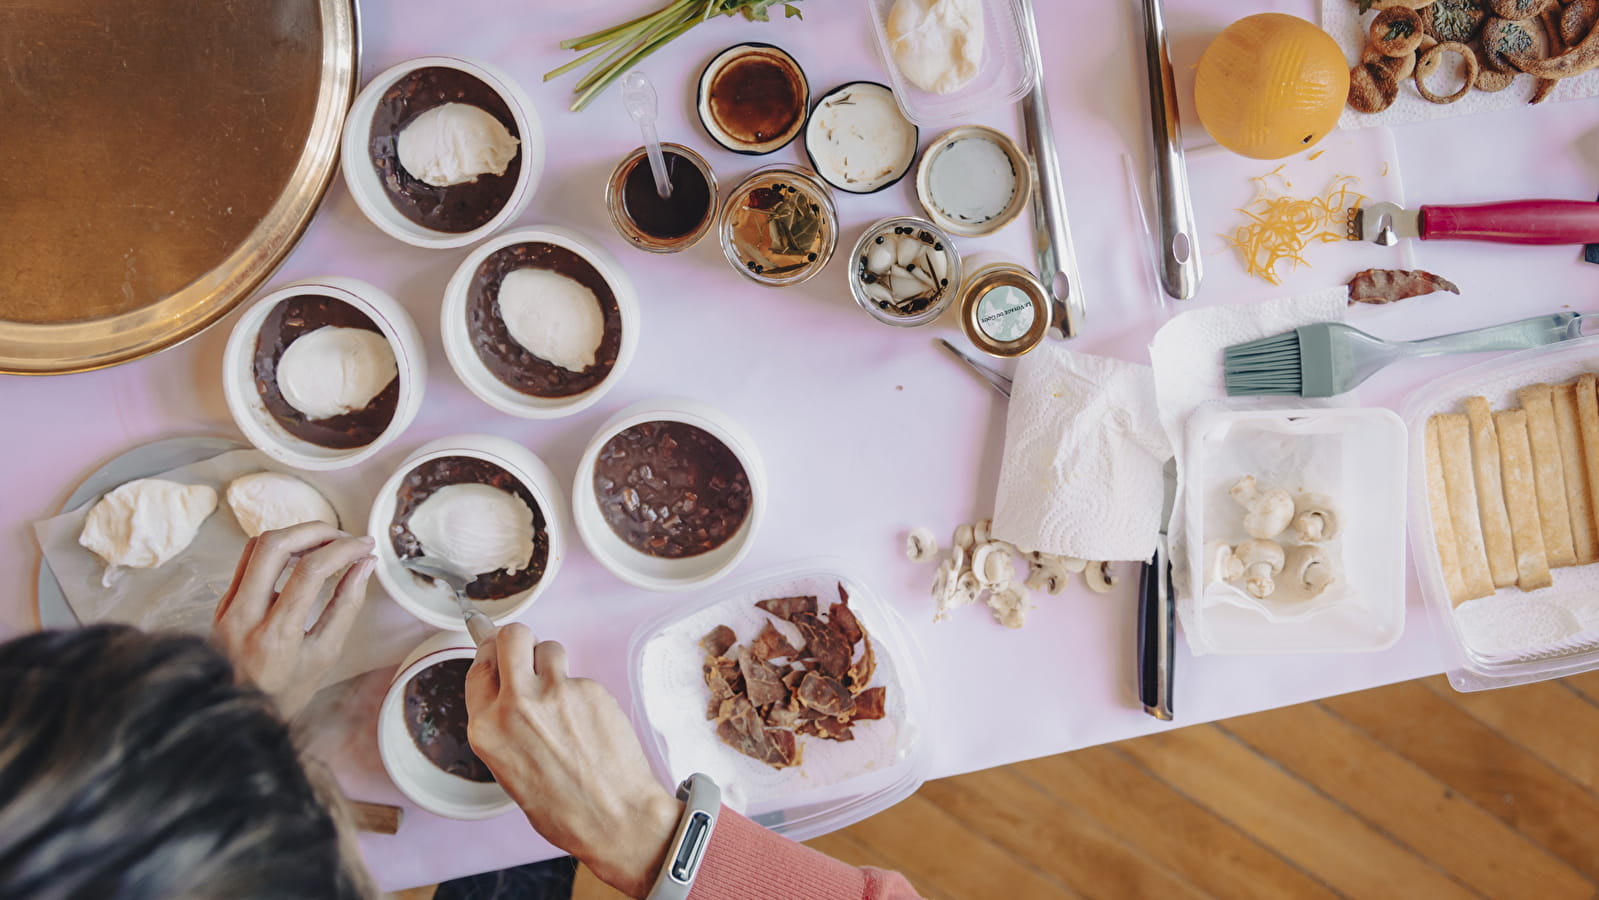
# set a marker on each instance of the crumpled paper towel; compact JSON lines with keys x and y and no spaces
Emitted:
{"x":1187,"y":358}
{"x":1084,"y":449}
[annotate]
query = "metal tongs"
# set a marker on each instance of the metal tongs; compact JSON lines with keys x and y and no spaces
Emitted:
{"x":1052,"y":236}
{"x":1178,"y":258}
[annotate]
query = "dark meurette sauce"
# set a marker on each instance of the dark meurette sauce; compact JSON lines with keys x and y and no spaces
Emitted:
{"x":455,"y":208}
{"x":435,"y":715}
{"x":288,"y":321}
{"x":756,"y":98}
{"x":420,"y":483}
{"x":666,"y":217}
{"x":670,"y":489}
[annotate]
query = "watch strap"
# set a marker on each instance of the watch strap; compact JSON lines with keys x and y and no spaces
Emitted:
{"x":702,"y":801}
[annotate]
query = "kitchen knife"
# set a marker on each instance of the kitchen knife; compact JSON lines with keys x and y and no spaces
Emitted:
{"x":1513,"y":222}
{"x":1156,"y":606}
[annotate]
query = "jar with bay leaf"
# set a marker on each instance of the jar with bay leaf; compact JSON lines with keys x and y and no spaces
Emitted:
{"x":779,"y":226}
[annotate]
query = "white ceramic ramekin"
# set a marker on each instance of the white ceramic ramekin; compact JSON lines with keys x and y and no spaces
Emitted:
{"x":469,"y":366}
{"x":427,"y":785}
{"x":263,"y":429}
{"x":433,"y":603}
{"x":652,"y":572}
{"x":367,"y":187}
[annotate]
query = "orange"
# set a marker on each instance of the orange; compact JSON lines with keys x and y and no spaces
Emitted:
{"x":1271,"y":85}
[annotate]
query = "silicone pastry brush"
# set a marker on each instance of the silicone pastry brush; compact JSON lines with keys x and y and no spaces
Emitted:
{"x":478,"y":624}
{"x":1329,"y":358}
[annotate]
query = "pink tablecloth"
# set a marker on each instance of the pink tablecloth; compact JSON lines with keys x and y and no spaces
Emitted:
{"x":866,"y":430}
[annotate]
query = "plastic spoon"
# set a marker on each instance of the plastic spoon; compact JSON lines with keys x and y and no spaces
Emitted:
{"x":638,"y":95}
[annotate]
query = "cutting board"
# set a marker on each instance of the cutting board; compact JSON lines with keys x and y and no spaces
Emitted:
{"x":1220,"y":184}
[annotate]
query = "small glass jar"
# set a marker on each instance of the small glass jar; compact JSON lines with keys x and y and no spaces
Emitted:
{"x":914,"y":292}
{"x":779,"y":226}
{"x":1004,"y":310}
{"x":641,"y":236}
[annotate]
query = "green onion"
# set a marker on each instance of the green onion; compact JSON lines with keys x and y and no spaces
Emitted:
{"x":626,"y":44}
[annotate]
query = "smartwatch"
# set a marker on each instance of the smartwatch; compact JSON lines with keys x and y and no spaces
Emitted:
{"x":702,"y":800}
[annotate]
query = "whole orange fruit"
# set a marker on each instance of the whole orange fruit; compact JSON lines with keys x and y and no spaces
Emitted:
{"x":1271,"y":85}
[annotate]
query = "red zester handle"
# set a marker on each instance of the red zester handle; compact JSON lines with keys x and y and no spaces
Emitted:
{"x":1516,"y":222}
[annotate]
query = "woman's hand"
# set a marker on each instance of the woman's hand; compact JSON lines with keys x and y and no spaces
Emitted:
{"x":565,"y":752}
{"x":264,"y":630}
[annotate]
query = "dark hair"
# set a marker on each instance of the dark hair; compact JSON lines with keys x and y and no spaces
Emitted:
{"x":135,"y":766}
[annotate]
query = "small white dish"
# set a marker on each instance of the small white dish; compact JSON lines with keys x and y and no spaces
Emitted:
{"x":652,"y":572}
{"x":469,"y":366}
{"x":263,"y":429}
{"x":424,"y":783}
{"x":433,"y":603}
{"x":366,"y":186}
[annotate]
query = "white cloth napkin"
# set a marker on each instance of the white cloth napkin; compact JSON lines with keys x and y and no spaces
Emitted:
{"x":1084,"y":449}
{"x":1187,"y":358}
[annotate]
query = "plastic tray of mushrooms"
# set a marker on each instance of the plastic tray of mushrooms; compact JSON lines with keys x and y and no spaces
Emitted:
{"x":1294,"y":524}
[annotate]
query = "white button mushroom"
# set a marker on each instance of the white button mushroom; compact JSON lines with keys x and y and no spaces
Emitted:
{"x":994,"y":565}
{"x":1267,"y":512}
{"x":1099,"y":577}
{"x":920,"y":545}
{"x":1314,"y":519}
{"x":1262,"y":559}
{"x":1309,"y":570}
{"x":1224,"y":563}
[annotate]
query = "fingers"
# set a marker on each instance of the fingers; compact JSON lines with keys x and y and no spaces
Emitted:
{"x":333,"y":626}
{"x":516,"y":657}
{"x":311,"y":573}
{"x":549,"y":662}
{"x":483,"y":678}
{"x":268,"y":555}
{"x":233,"y":586}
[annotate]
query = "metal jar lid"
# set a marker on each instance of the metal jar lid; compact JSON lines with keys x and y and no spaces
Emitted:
{"x":1004,"y":310}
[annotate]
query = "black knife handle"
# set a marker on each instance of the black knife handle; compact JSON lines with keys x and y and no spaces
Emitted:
{"x":1155,"y":644}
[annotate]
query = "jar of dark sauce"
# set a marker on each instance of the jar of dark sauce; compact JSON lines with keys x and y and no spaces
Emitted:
{"x":662,"y":224}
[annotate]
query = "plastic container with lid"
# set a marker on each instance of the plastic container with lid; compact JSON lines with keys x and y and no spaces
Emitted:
{"x":1005,"y":75}
{"x":838,"y":783}
{"x":1354,"y":457}
{"x":1511,"y":637}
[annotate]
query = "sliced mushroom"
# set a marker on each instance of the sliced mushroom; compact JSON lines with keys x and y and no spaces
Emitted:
{"x":1262,"y":559}
{"x":963,"y":538}
{"x":1047,"y":573}
{"x":920,"y":545}
{"x":983,"y":531}
{"x":1072,"y":564}
{"x":1309,"y":570}
{"x":1100,"y":578}
{"x":1224,"y":563}
{"x":1009,"y":606}
{"x":1314,"y":519}
{"x":1267,"y":513}
{"x":994,"y":565}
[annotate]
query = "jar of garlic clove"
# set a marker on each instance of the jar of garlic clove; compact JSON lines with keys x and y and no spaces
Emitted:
{"x":904,"y":271}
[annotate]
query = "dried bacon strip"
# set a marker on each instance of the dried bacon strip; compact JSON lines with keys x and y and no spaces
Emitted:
{"x":722,"y":689}
{"x":770,"y":644}
{"x":827,"y":696}
{"x":842,"y":618}
{"x":828,"y":729}
{"x":786,"y":608}
{"x":869,"y":704}
{"x":1392,"y":285}
{"x":743,"y":730}
{"x":824,"y":644}
{"x":861,"y":670}
{"x":762,"y":681}
{"x":718,"y":641}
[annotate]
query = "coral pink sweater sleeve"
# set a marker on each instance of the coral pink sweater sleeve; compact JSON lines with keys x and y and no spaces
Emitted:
{"x":746,"y":862}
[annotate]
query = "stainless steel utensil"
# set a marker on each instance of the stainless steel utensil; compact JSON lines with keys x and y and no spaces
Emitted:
{"x":1052,"y":235}
{"x":479,"y":625}
{"x":998,"y":381}
{"x":1179,"y":263}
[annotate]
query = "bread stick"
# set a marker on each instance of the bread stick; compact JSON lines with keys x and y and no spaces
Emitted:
{"x":1454,"y":448}
{"x":1490,"y":493}
{"x":1443,"y":531}
{"x":1548,"y":473}
{"x":1579,"y":504}
{"x":1588,"y":428}
{"x":1515,"y":464}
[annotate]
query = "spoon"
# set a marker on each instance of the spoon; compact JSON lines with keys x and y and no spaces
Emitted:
{"x":479,"y":625}
{"x":638,"y":95}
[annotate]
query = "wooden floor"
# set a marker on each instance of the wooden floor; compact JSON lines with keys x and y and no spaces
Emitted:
{"x":1410,"y":791}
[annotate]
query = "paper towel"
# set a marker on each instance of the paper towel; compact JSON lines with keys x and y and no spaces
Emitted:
{"x":1187,"y":357}
{"x":1084,"y":448}
{"x":674,"y":696}
{"x":183,"y":593}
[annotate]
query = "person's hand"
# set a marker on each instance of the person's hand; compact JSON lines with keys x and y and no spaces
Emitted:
{"x":264,"y":630}
{"x":564,"y":751}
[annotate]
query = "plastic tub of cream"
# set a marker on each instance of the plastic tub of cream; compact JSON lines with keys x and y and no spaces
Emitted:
{"x":973,"y":180}
{"x":999,"y":67}
{"x":837,"y":783}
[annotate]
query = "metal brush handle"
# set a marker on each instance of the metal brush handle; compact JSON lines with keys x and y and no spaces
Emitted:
{"x":1052,"y":236}
{"x":1179,"y":265}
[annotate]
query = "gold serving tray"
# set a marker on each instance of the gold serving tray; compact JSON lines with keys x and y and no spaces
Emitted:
{"x":158,"y":160}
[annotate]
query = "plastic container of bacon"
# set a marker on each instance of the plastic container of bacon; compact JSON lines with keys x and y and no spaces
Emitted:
{"x":798,"y":691}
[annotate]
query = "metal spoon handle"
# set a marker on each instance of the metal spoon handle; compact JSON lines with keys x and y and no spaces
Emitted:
{"x":1179,"y":264}
{"x":481,"y":628}
{"x":1052,"y":236}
